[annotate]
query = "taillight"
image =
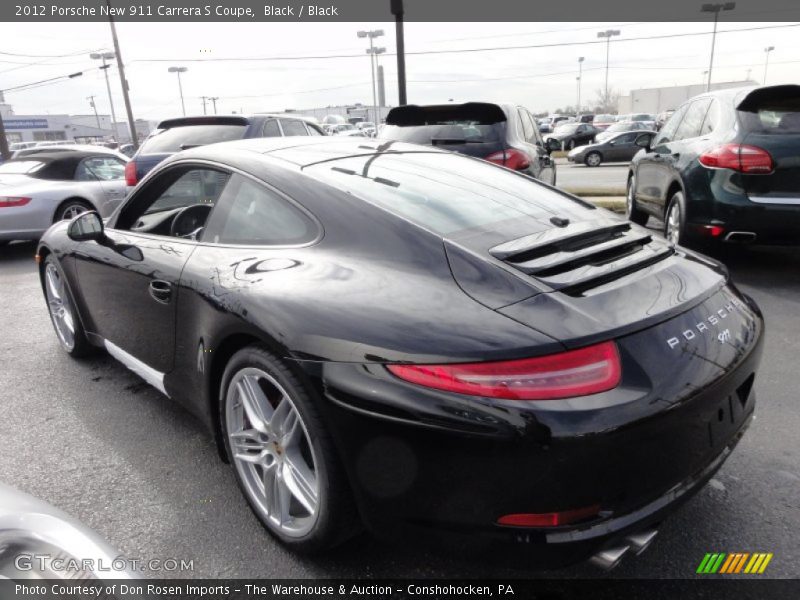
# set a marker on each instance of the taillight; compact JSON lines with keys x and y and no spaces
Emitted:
{"x":551,"y":519}
{"x":738,"y":157}
{"x":564,"y":375}
{"x":130,"y":173}
{"x":13,"y":201}
{"x":511,"y":158}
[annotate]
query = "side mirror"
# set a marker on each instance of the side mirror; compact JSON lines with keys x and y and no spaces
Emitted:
{"x":85,"y":227}
{"x":644,"y":141}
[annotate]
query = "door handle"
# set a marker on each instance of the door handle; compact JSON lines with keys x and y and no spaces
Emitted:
{"x":161,"y":291}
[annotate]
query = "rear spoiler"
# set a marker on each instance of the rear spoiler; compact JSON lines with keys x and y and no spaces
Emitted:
{"x":413,"y":114}
{"x":210,"y":120}
{"x":774,"y":97}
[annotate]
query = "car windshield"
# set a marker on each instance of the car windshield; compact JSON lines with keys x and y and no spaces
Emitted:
{"x":179,"y":138}
{"x":776,"y":114}
{"x":642,"y":117}
{"x":442,"y":192}
{"x":20,"y":167}
{"x":621,"y":126}
{"x":447,"y":132}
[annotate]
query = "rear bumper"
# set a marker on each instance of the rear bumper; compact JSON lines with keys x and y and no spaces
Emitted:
{"x":446,"y":467}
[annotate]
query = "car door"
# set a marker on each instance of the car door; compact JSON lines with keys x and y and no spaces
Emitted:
{"x":129,"y":282}
{"x":107,"y":173}
{"x":650,"y":173}
{"x":622,"y":147}
{"x":542,"y":166}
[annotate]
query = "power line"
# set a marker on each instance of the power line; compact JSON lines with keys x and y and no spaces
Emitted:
{"x":463,"y":50}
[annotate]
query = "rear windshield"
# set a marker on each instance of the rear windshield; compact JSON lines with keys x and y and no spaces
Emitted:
{"x":172,"y":140}
{"x":445,"y":133}
{"x":442,"y":192}
{"x":605,"y":118}
{"x":776,"y":120}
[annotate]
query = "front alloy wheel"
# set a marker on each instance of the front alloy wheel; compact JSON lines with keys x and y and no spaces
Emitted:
{"x":593,"y":159}
{"x":62,"y":312}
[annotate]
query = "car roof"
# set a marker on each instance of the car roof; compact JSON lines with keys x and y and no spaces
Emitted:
{"x":300,"y":150}
{"x":75,"y":157}
{"x":228,"y":119}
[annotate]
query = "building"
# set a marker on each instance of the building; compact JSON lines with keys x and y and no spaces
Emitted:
{"x":656,"y":100}
{"x":63,"y":127}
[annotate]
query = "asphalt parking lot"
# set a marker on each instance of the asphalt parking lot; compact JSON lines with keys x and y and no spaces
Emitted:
{"x":606,"y":179}
{"x":93,"y":439}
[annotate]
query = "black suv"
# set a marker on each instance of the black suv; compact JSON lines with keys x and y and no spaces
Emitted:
{"x":725,"y":166}
{"x":504,"y":134}
{"x":174,"y":135}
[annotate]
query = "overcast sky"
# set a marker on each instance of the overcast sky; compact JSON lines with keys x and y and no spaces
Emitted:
{"x":539,"y":78}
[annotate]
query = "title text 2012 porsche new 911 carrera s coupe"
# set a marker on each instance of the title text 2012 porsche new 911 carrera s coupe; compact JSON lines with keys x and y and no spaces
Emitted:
{"x":415,"y":340}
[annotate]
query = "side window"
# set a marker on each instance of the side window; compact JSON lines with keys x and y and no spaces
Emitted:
{"x":690,"y":126}
{"x":172,"y":190}
{"x":667,"y":133}
{"x":712,"y":116}
{"x":100,"y":169}
{"x":271,"y":129}
{"x":312,"y":130}
{"x":293,"y":127}
{"x":628,"y":138}
{"x":527,"y":126}
{"x":249,"y":213}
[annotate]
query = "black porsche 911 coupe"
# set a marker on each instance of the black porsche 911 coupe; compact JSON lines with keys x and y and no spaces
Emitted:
{"x":398,"y":336}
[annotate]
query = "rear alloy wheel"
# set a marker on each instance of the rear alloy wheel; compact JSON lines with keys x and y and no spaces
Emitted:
{"x":593,"y":159}
{"x":71,"y":209}
{"x":283,"y":458}
{"x":674,"y":227}
{"x":632,"y":212}
{"x":62,"y":312}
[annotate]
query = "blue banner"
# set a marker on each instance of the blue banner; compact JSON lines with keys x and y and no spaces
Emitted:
{"x":25,"y":123}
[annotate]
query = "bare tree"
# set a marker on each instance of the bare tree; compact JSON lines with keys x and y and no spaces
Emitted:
{"x":607,"y":103}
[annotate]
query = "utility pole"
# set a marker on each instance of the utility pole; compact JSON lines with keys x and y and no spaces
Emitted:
{"x":103,"y":56}
{"x":204,"y":104}
{"x":214,"y":102}
{"x":5,"y":153}
{"x":178,"y":71}
{"x":372,"y":53}
{"x":715,"y":8}
{"x":608,"y":34}
{"x":580,"y":77}
{"x":397,"y":10}
{"x":94,"y":108}
{"x":123,"y":81}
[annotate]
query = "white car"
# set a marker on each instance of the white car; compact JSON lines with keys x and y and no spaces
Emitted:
{"x":41,"y":149}
{"x":38,"y":190}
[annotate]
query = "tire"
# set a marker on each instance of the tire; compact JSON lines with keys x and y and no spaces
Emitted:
{"x":675,"y":220}
{"x":309,"y":507}
{"x":63,"y":314}
{"x":593,"y":159}
{"x":633,"y":212}
{"x":71,"y":208}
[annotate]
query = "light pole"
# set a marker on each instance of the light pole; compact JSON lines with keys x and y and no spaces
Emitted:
{"x":94,"y":108}
{"x":580,"y":76}
{"x":178,"y":71}
{"x":608,"y":34}
{"x":371,"y":51}
{"x":767,"y":50}
{"x":107,"y":56}
{"x":375,"y":52}
{"x":716,"y":9}
{"x":396,"y":7}
{"x":703,"y":80}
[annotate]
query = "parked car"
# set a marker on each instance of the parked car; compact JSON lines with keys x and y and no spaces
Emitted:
{"x":342,"y":128}
{"x":463,"y":345}
{"x":586,"y":118}
{"x":662,"y":118}
{"x":20,"y":146}
{"x":648,"y":120}
{"x":545,"y":126}
{"x":127,"y":149}
{"x":44,"y":188}
{"x":620,"y":146}
{"x":38,"y":541}
{"x":68,"y":148}
{"x":504,"y":134}
{"x":571,"y":135}
{"x":616,"y":128}
{"x":725,"y":166}
{"x":604,"y":121}
{"x":174,"y":135}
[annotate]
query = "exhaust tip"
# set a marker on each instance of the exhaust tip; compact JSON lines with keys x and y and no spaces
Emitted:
{"x":609,"y":558}
{"x":741,"y":237}
{"x":640,"y":541}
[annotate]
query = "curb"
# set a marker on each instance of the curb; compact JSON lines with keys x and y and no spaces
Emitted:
{"x":613,"y":203}
{"x":595,"y":191}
